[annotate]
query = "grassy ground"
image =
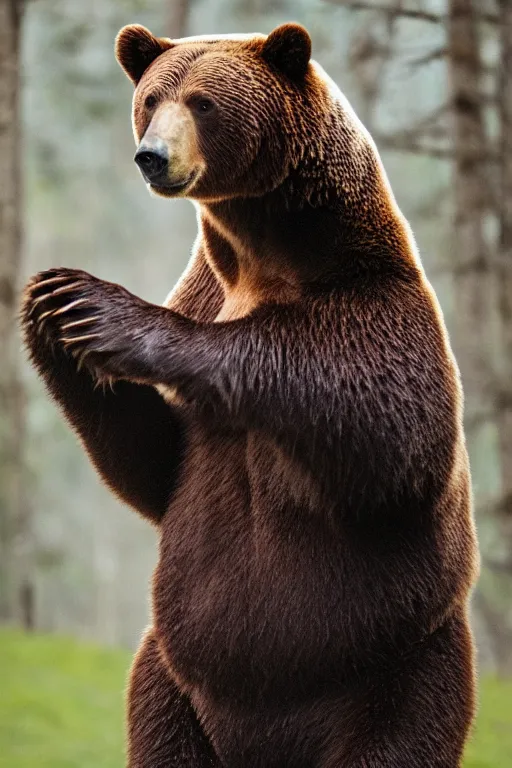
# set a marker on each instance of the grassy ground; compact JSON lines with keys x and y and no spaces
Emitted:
{"x":61,"y":703}
{"x":61,"y":706}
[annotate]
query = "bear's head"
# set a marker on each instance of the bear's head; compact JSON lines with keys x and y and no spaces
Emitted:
{"x":235,"y":116}
{"x":212,"y":116}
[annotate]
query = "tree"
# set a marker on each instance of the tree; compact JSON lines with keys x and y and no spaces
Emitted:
{"x":177,"y":18}
{"x":14,"y":589}
{"x":471,"y":259}
{"x":504,"y":261}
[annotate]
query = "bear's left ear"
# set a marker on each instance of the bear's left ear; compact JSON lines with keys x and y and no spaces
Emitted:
{"x":136,"y":48}
{"x":288,"y":48}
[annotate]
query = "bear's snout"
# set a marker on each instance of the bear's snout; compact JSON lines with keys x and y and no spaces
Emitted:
{"x":168,"y":154}
{"x":153,"y":161}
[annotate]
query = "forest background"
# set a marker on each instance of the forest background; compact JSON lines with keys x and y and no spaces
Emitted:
{"x":431,"y":79}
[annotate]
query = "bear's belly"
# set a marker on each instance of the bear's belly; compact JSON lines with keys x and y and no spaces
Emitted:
{"x":244,"y":590}
{"x":261,"y":591}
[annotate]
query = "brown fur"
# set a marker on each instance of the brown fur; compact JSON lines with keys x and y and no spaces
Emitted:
{"x":310,"y":482}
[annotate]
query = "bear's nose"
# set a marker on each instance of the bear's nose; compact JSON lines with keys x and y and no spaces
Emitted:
{"x":153,"y":162}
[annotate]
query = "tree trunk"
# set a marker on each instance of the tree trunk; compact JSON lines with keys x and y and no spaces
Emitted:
{"x":502,"y":616}
{"x":177,"y":18}
{"x":14,"y":522}
{"x":504,"y":265}
{"x":471,"y":254}
{"x":482,"y":278}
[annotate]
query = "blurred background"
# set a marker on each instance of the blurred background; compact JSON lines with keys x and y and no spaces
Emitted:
{"x":432,"y":80}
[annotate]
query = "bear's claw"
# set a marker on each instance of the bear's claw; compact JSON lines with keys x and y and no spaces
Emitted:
{"x":77,"y":323}
{"x":83,"y":315}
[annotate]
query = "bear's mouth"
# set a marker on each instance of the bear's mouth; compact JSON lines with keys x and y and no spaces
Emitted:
{"x":169,"y":189}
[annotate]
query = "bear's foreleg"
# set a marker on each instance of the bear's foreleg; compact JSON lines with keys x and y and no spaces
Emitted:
{"x":131,"y":435}
{"x":295,"y":371}
{"x":117,"y":335}
{"x":163,"y":730}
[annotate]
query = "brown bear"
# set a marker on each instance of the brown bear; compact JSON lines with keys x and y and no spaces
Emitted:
{"x":291,"y":422}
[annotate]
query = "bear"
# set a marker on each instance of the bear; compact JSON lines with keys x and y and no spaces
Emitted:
{"x":291,"y":422}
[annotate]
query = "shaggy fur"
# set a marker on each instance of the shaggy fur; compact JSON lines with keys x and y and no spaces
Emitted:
{"x":306,"y":466}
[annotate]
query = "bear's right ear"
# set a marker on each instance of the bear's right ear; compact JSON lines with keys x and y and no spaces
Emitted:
{"x":136,"y":48}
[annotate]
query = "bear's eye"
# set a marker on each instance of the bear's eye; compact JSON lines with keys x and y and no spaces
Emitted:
{"x":204,"y":106}
{"x":150,"y":101}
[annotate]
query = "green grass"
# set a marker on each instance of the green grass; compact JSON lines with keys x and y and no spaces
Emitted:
{"x":61,"y":706}
{"x":491,"y":745}
{"x":61,"y":703}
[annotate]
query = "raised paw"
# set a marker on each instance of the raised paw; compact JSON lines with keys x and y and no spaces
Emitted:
{"x":86,"y":316}
{"x":47,"y":296}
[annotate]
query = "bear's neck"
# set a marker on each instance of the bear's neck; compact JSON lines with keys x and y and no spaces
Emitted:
{"x":286,"y":241}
